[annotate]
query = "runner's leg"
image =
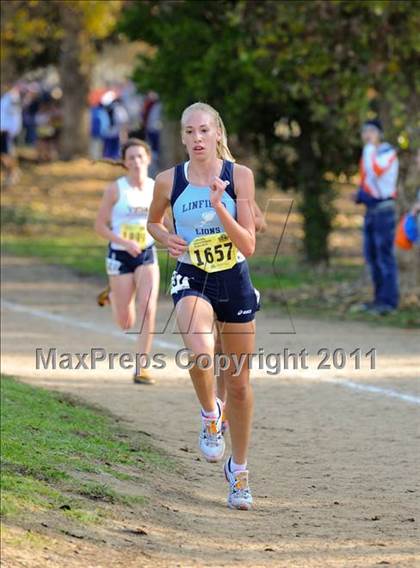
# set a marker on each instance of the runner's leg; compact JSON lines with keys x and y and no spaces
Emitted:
{"x":239,"y":338}
{"x":146,"y":279}
{"x":122,"y":299}
{"x":220,"y":379}
{"x":195,"y":320}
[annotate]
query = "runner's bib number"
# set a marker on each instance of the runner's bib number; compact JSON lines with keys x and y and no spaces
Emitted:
{"x":135,"y":233}
{"x":213,"y":253}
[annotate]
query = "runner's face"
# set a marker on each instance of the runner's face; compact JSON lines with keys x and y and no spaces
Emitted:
{"x":370,"y":135}
{"x":136,"y":160}
{"x":200,"y":135}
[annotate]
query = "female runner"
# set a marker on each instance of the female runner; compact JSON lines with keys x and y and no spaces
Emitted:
{"x":131,"y":264}
{"x":211,"y":200}
{"x":260,"y":227}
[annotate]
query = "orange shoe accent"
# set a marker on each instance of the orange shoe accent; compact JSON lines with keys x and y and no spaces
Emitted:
{"x":241,"y":481}
{"x":212,"y":427}
{"x":143,"y":378}
{"x":102,"y":298}
{"x":225,"y":422}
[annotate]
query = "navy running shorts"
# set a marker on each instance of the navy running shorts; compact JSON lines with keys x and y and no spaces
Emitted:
{"x":230,"y":292}
{"x":121,"y":262}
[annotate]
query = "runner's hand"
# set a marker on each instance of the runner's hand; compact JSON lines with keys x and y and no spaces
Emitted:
{"x":176,"y":245}
{"x":217,"y":187}
{"x":132,"y":248}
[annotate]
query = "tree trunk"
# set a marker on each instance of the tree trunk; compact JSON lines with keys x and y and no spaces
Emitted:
{"x":172,"y":151}
{"x":75,"y":67}
{"x":8,"y":73}
{"x":315,"y":201}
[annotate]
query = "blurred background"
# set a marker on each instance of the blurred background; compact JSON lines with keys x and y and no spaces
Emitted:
{"x":293,"y":81}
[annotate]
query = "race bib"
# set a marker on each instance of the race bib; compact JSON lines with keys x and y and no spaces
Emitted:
{"x":134,"y":233}
{"x":213,"y":253}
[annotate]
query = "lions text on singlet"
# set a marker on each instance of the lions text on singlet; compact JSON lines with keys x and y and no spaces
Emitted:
{"x":193,"y":213}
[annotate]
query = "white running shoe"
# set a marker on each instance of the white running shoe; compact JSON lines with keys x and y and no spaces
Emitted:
{"x":211,"y":440}
{"x":239,"y":492}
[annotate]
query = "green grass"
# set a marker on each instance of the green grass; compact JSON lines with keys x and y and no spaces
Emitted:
{"x":85,"y":254}
{"x":20,"y":217}
{"x":101,"y":492}
{"x":53,"y":449}
{"x":406,"y":318}
{"x":309,"y":291}
{"x":289,"y":272}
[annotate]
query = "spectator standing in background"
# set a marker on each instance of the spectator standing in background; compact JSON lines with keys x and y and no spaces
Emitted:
{"x":152,"y":124}
{"x":98,"y":123}
{"x":45,"y":130}
{"x":11,"y":125}
{"x":115,"y":131}
{"x":377,"y":191}
{"x":133,"y":103}
{"x":408,"y":229}
{"x":30,"y":106}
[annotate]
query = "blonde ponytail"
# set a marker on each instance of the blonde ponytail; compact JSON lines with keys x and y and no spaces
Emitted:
{"x":222,"y":148}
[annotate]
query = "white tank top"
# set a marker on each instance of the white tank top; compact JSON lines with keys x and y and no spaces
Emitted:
{"x":129,"y":214}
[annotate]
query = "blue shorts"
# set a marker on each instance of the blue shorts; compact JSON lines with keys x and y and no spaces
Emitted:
{"x":121,"y":262}
{"x":230,"y":292}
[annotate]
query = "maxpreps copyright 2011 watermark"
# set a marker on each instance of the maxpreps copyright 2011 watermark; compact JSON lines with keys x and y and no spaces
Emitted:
{"x":272,"y":363}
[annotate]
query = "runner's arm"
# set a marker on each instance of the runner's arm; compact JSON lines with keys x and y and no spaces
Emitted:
{"x":167,"y":221}
{"x":157,"y":223}
{"x":260,"y":224}
{"x":103,"y":217}
{"x":242,"y":231}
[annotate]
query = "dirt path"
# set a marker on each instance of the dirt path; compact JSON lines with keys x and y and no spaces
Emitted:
{"x":334,"y":460}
